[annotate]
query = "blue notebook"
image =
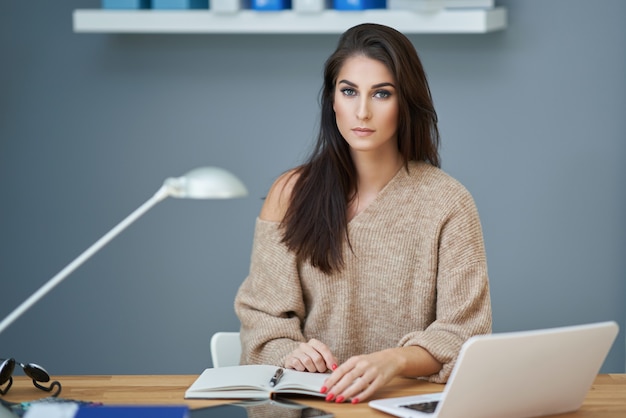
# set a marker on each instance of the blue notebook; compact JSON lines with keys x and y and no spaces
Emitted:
{"x":106,"y":411}
{"x":63,"y":408}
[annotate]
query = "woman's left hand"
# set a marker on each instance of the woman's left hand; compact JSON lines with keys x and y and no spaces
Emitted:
{"x":358,"y":378}
{"x":361,"y":376}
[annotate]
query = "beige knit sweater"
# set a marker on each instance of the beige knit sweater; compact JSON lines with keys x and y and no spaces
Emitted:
{"x":417,"y":275}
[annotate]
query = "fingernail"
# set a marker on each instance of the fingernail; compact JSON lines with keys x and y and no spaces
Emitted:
{"x":355,"y":400}
{"x":334,"y":366}
{"x":330,"y":397}
{"x":323,"y":389}
{"x":339,"y":399}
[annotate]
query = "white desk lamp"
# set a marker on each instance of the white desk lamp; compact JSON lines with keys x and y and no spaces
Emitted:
{"x":201,"y":183}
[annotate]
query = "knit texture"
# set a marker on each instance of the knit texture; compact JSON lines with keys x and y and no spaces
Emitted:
{"x":416,"y":275}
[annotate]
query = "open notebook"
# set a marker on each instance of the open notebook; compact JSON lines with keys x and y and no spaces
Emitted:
{"x":516,"y":375}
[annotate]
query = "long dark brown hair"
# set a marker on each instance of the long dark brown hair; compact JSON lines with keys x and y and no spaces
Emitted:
{"x":315,"y":223}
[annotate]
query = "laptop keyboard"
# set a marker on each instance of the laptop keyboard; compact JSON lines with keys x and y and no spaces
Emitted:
{"x":427,"y":407}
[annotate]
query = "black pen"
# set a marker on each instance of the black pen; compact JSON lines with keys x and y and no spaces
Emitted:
{"x":274,"y":380}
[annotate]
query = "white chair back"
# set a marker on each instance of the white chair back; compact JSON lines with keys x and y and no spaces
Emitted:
{"x":225,"y":349}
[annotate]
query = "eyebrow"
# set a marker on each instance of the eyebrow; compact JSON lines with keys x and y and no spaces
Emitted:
{"x":375,"y":86}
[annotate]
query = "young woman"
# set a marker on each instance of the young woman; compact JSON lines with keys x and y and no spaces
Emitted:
{"x":368,"y":260}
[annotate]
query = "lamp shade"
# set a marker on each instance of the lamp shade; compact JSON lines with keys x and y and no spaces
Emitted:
{"x":206,"y":183}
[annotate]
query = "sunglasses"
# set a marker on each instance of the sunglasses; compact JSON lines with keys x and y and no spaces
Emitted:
{"x":32,"y":370}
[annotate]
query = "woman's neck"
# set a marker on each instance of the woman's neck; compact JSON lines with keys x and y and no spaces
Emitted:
{"x":373,"y":174}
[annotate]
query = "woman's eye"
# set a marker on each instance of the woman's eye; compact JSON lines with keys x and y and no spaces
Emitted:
{"x":348,"y":91}
{"x":382,"y":94}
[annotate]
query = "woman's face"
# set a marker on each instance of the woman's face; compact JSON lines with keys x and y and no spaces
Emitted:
{"x":366,"y":105}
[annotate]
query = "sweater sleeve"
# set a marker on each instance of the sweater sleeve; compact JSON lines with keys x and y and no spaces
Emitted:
{"x":269,"y":302}
{"x":463,"y":306}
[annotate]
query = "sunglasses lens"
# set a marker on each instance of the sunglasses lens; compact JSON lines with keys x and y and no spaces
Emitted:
{"x":6,"y":370}
{"x":36,"y":372}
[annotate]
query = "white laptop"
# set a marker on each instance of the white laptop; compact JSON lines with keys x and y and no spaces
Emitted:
{"x":516,"y":375}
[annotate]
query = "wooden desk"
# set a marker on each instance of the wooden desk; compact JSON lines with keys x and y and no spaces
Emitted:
{"x":606,"y":399}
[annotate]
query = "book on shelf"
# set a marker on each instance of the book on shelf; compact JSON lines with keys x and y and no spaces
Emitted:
{"x":254,"y":382}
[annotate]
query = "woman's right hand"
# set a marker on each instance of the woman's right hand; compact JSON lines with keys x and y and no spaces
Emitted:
{"x":313,"y":356}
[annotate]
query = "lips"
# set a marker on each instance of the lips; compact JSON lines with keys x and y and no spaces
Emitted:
{"x":362,"y":131}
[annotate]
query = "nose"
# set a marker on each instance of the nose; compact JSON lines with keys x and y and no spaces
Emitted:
{"x":363,"y":109}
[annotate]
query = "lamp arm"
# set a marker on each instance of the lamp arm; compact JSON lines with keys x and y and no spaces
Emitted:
{"x":160,"y":195}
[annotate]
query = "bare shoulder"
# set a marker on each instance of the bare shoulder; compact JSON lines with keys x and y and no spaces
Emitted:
{"x":279,"y":196}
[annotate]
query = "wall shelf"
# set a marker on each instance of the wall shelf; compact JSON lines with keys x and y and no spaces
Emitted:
{"x":285,"y":22}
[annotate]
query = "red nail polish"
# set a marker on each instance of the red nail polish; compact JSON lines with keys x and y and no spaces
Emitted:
{"x":330,"y":397}
{"x":323,"y":389}
{"x":340,"y":399}
{"x":355,"y":400}
{"x":334,"y":366}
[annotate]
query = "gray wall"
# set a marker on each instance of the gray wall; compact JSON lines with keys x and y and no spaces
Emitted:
{"x":532,"y":120}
